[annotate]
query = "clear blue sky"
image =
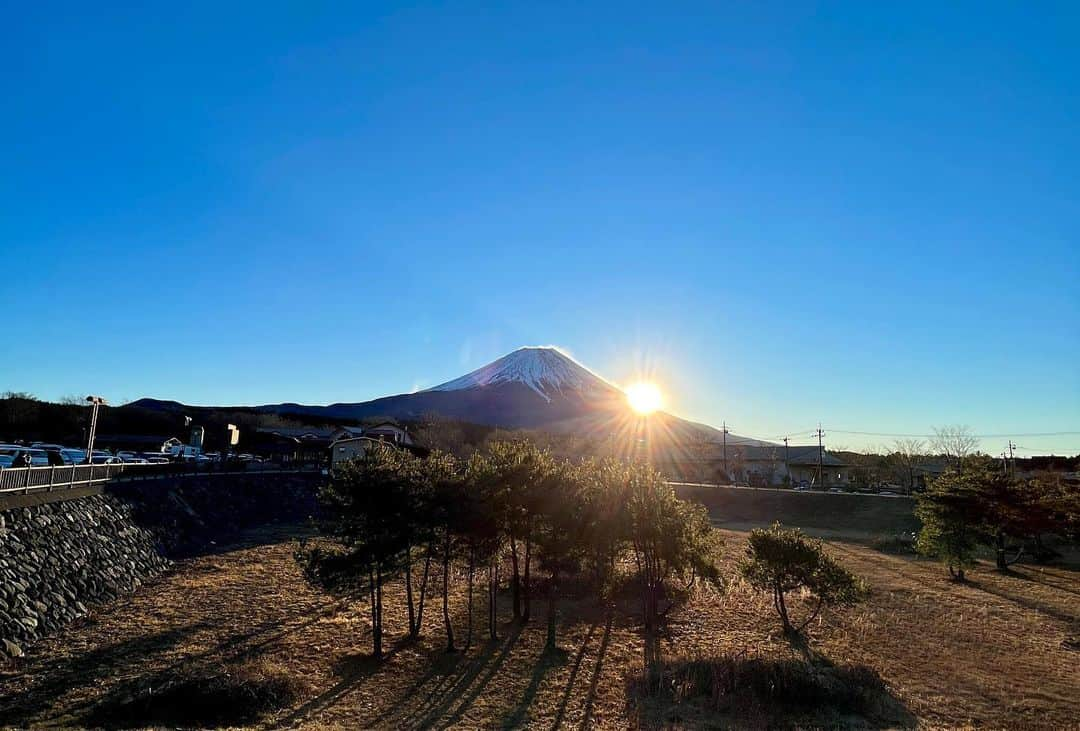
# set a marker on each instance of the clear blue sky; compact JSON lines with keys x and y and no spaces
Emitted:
{"x":785,"y":212}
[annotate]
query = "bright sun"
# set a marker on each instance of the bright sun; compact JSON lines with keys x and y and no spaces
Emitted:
{"x":644,"y":397}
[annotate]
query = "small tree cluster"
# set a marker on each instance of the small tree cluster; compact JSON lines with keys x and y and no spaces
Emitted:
{"x":782,"y":560}
{"x":981,"y":505}
{"x":392,"y":515}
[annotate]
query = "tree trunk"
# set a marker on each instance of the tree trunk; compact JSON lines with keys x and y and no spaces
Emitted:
{"x":515,"y":579}
{"x":550,"y":646}
{"x":493,"y":598}
{"x":423,"y":591}
{"x":378,"y":604}
{"x":446,"y":596}
{"x":468,"y":631}
{"x":376,"y":637}
{"x":781,"y":606}
{"x":526,"y":590}
{"x":413,"y":631}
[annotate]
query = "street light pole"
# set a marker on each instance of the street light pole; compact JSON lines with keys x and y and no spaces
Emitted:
{"x":95,"y":402}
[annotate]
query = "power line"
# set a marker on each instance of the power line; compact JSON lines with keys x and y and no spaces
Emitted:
{"x":977,"y":436}
{"x":812,"y":432}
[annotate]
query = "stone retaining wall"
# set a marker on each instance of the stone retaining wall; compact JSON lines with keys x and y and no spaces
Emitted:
{"x":59,"y":559}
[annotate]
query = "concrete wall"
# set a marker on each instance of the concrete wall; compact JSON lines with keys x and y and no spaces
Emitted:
{"x":857,"y":516}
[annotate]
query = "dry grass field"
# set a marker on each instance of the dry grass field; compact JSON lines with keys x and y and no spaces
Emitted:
{"x":259,"y":648}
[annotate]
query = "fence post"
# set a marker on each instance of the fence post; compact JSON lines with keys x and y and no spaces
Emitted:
{"x":71,"y":477}
{"x":52,"y":477}
{"x":26,"y":482}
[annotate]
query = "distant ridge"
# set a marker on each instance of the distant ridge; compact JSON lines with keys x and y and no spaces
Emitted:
{"x":530,"y":388}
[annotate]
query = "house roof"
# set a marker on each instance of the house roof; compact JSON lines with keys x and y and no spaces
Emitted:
{"x":390,"y":424}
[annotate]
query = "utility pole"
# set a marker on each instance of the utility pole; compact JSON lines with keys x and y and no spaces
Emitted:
{"x":724,"y":431}
{"x":820,"y":434}
{"x":1012,"y":458}
{"x":95,"y":402}
{"x":787,"y":462}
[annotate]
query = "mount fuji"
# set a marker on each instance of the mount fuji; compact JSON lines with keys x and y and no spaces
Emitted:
{"x":529,"y":388}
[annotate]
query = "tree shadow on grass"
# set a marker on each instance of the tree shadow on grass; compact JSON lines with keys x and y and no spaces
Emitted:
{"x":561,"y":714}
{"x":1038,"y":577}
{"x":590,"y":698}
{"x":350,"y":669}
{"x":57,"y":677}
{"x":465,"y":682}
{"x":545,"y":662}
{"x":1035,"y":606}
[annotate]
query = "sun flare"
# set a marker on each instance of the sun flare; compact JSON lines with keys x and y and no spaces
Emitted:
{"x":644,"y":397}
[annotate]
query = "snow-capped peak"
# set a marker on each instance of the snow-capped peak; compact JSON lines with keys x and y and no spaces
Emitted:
{"x":542,"y":368}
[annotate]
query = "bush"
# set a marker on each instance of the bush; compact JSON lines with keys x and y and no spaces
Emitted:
{"x":223,"y":696}
{"x":899,"y":544}
{"x":772,"y":691}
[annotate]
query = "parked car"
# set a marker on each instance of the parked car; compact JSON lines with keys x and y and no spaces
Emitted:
{"x":14,"y":455}
{"x":47,"y":445}
{"x":74,"y":456}
{"x":183,"y":452}
{"x":56,"y":457}
{"x":105,"y":458}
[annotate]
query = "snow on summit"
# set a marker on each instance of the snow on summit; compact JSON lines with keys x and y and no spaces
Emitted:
{"x":543,"y":369}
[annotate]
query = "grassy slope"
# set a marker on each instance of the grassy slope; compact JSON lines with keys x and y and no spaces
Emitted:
{"x":990,"y":653}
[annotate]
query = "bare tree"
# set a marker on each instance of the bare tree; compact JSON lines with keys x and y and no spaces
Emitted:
{"x":446,"y":435}
{"x":956,"y":442}
{"x":702,"y":453}
{"x":908,"y":453}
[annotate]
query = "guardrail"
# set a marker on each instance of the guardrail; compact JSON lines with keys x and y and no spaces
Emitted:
{"x":69,"y":477}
